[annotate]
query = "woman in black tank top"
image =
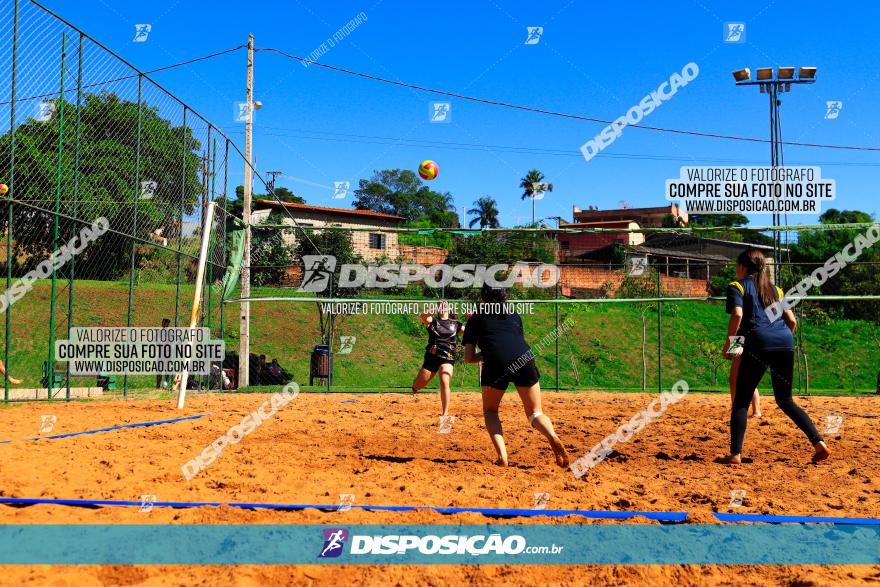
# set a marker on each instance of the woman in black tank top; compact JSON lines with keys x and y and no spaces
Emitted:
{"x":440,"y":353}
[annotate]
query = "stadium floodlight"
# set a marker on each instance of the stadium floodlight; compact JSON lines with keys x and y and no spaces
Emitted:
{"x":785,"y":73}
{"x":807,"y":73}
{"x":764,"y":73}
{"x":773,"y":83}
{"x":742,"y":75}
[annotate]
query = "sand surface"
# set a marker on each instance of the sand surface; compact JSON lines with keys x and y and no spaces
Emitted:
{"x":385,"y":449}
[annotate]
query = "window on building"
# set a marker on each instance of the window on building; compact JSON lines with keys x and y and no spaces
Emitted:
{"x":565,"y":246}
{"x":377,"y":241}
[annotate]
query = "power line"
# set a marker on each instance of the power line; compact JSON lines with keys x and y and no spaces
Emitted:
{"x":514,"y":149}
{"x":127,"y":77}
{"x":554,"y":113}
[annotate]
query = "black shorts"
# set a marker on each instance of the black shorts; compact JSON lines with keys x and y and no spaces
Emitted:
{"x":432,"y":362}
{"x":500,"y":376}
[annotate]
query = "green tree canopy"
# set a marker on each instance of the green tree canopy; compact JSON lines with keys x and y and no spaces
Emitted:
{"x":282,"y":193}
{"x":485,"y":212}
{"x":815,"y":247}
{"x":107,"y":183}
{"x":402,"y":193}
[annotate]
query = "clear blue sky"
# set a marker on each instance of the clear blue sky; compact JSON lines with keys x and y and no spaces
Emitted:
{"x":595,"y":59}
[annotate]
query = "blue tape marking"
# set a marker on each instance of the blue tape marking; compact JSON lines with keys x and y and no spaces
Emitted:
{"x":794,"y":519}
{"x":607,"y":515}
{"x":134,"y":425}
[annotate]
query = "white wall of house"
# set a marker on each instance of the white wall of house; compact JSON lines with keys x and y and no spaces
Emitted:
{"x":370,"y":245}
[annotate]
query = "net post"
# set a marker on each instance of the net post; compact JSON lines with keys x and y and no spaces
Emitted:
{"x":197,"y":296}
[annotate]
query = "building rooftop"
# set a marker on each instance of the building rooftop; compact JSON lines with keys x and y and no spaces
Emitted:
{"x":328,"y":210}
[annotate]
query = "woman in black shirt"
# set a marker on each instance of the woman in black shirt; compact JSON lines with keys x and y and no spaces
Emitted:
{"x":506,"y":359}
{"x":439,"y":354}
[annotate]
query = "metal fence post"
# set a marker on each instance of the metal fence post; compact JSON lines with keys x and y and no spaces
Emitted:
{"x":70,"y":296}
{"x":10,"y":254}
{"x":659,"y":333}
{"x":180,"y":223}
{"x":137,"y":195}
{"x":52,"y":298}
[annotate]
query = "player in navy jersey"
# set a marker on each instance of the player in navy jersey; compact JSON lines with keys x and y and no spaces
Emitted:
{"x":440,"y":353}
{"x":506,"y":359}
{"x":766,"y":345}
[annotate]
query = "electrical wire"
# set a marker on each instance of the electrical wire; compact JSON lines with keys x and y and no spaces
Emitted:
{"x":552,"y":112}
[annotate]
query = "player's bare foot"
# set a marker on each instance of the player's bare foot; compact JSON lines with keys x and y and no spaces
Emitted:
{"x":756,"y":415}
{"x":559,"y":452}
{"x":14,"y":381}
{"x":729,"y":460}
{"x":822,"y":452}
{"x":501,"y":462}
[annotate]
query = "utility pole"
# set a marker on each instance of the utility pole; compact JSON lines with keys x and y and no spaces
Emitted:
{"x":244,"y":327}
{"x":272,"y":175}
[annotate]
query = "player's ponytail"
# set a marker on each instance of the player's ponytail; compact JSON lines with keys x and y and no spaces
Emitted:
{"x":755,"y":264}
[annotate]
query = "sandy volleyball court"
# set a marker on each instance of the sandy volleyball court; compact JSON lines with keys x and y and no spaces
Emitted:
{"x":385,"y":450}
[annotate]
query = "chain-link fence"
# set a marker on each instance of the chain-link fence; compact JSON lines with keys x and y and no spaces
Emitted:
{"x":625,"y":318}
{"x":85,"y":136}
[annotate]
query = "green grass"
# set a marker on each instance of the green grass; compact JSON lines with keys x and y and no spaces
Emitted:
{"x":603,"y":350}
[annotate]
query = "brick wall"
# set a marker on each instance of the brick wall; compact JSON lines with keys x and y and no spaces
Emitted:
{"x":593,"y":282}
{"x":576,"y":281}
{"x":423,"y":255}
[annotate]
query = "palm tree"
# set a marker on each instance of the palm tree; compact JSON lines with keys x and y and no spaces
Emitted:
{"x":486,"y":212}
{"x":533,"y":184}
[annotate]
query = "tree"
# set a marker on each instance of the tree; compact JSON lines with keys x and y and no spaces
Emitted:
{"x":337,"y":243}
{"x":270,"y":256}
{"x":486,"y":212}
{"x":671,"y":221}
{"x":718,"y":220}
{"x":817,"y":246}
{"x":402,"y":193}
{"x":499,"y":249}
{"x":713,"y":353}
{"x":533,"y":184}
{"x":730,"y":221}
{"x":236,"y":206}
{"x":834,"y":216}
{"x":107,"y":181}
{"x":641,"y":287}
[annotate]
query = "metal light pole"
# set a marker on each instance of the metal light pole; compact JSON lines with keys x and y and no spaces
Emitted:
{"x":772,"y":82}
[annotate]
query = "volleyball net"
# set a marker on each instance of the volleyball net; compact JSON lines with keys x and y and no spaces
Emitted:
{"x":622,"y":316}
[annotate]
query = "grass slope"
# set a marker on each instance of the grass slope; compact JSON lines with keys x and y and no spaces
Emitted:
{"x":602,"y":348}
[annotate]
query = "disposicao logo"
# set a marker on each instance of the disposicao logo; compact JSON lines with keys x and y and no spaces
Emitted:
{"x":334,"y":540}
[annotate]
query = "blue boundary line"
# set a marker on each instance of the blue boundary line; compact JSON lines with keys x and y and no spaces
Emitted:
{"x":606,"y":515}
{"x":120,"y":427}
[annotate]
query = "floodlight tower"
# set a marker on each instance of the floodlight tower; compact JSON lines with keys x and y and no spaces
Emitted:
{"x":772,"y":82}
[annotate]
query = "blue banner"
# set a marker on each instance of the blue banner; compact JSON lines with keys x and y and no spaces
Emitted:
{"x":440,"y":544}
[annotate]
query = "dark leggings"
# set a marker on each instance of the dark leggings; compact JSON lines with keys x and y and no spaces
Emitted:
{"x":752,"y":367}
